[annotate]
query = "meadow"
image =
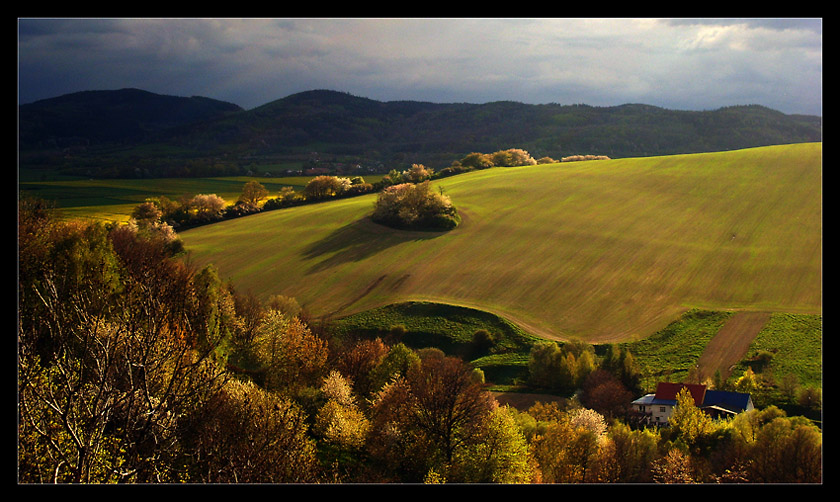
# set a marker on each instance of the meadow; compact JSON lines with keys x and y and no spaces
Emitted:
{"x":603,"y":251}
{"x":114,"y":199}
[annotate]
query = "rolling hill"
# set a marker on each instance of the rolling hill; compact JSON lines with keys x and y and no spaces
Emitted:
{"x":119,"y":133}
{"x":609,"y":250}
{"x":124,"y":116}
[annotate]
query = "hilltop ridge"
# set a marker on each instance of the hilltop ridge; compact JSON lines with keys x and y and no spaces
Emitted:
{"x":164,"y":132}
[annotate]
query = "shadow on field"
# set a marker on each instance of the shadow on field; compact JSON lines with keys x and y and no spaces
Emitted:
{"x":359,"y":240}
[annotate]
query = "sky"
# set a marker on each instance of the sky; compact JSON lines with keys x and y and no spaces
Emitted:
{"x":681,"y":64}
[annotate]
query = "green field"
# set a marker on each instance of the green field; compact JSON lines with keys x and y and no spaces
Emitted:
{"x":114,"y":199}
{"x":609,"y":250}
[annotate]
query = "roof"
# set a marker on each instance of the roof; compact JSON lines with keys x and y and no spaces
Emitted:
{"x":646,"y":399}
{"x":668,"y":391}
{"x":650,"y":399}
{"x":732,"y":401}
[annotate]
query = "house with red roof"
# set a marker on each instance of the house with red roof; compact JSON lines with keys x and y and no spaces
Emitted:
{"x":656,"y":408}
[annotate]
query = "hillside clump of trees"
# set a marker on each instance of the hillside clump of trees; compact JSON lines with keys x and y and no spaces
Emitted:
{"x":402,"y":206}
{"x":194,"y":210}
{"x":511,"y":157}
{"x":579,"y":158}
{"x":415,"y":206}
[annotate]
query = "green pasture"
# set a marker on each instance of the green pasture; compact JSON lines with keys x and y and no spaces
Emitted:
{"x":795,"y":342}
{"x":114,"y":199}
{"x":670,"y":354}
{"x":609,"y":250}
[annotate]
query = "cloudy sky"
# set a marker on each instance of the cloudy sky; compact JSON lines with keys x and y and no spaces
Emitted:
{"x":685,"y":64}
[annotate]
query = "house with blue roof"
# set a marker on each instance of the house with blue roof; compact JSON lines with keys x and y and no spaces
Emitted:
{"x":656,"y":408}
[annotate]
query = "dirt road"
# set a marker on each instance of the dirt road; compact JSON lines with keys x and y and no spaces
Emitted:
{"x":730,"y":344}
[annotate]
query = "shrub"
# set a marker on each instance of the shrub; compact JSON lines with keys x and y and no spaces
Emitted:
{"x":577,"y":158}
{"x":324,"y":187}
{"x":415,"y":206}
{"x":512,"y":157}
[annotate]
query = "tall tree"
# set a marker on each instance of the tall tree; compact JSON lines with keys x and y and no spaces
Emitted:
{"x":290,"y":355}
{"x":246,"y":434}
{"x":110,"y":364}
{"x":421,"y":421}
{"x":253,"y":193}
{"x":688,"y":422}
{"x":500,"y":455}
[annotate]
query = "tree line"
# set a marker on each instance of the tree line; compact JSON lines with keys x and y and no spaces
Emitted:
{"x":134,"y":366}
{"x":193,"y":210}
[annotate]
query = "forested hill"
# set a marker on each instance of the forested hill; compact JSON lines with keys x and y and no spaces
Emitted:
{"x":125,"y":116}
{"x":348,"y":128}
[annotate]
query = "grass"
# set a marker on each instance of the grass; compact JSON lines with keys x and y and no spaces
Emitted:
{"x":605,"y":251}
{"x":795,"y":342}
{"x":671,"y":354}
{"x":449,"y":328}
{"x":114,"y":199}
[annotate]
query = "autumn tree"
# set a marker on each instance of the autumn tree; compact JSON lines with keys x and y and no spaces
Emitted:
{"x":777,"y":448}
{"x":631,"y":453}
{"x":252,"y":194}
{"x":171,"y":211}
{"x":673,"y":468}
{"x":214,"y":317}
{"x":418,"y":173}
{"x":148,"y":212}
{"x":688,"y":422}
{"x":245,"y":434}
{"x":605,"y":393}
{"x":110,"y":361}
{"x":619,"y":361}
{"x":550,"y":447}
{"x":393,"y":365}
{"x":499,"y":455}
{"x":287,"y":195}
{"x":421,"y":422}
{"x":447,"y":402}
{"x":290,"y":356}
{"x":477,"y":160}
{"x":560,"y":368}
{"x":585,"y":449}
{"x":358,"y":359}
{"x":286,"y":305}
{"x":512,"y":157}
{"x":340,"y":420}
{"x":571,"y":446}
{"x":324,"y":187}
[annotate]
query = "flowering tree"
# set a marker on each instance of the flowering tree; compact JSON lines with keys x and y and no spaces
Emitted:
{"x":415,"y":206}
{"x":323,"y":187}
{"x":252,"y":193}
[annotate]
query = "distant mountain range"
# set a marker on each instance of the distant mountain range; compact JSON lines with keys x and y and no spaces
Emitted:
{"x":96,"y":130}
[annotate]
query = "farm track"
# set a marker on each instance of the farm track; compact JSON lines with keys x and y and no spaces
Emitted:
{"x":731,"y":343}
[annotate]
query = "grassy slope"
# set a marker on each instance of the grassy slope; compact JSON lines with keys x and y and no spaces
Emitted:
{"x":604,"y":251}
{"x":114,"y":199}
{"x":795,"y":340}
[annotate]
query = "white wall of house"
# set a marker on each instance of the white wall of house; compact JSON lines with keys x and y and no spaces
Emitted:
{"x":659,"y":413}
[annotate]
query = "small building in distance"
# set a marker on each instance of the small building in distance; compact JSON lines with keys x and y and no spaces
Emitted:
{"x":656,"y":408}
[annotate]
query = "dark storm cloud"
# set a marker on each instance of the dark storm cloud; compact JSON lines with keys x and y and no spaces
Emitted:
{"x":676,"y":63}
